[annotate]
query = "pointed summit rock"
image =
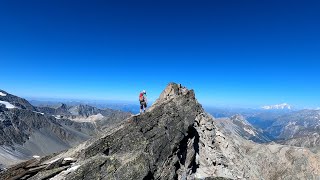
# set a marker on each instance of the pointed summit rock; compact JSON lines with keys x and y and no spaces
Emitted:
{"x":173,"y":90}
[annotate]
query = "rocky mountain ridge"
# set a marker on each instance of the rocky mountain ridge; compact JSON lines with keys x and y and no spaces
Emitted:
{"x":16,"y":101}
{"x":174,"y":139}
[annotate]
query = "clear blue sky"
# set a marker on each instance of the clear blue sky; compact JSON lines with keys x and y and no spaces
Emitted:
{"x":232,"y":52}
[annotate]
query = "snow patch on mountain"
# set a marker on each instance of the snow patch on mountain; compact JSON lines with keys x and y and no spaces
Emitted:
{"x":278,"y":106}
{"x":250,"y":131}
{"x":2,"y":94}
{"x":91,"y":118}
{"x":7,"y":104}
{"x":38,"y":112}
{"x":69,"y":159}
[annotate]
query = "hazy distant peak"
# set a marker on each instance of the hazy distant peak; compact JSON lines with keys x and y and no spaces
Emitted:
{"x":278,"y":106}
{"x":238,"y":117}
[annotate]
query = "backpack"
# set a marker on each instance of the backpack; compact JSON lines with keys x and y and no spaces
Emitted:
{"x":141,"y":97}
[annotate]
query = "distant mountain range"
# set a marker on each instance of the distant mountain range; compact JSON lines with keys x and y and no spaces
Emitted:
{"x":296,"y":124}
{"x":292,"y":127}
{"x":115,"y":105}
{"x":27,"y":130}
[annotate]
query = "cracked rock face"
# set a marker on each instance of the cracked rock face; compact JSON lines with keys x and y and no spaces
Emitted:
{"x":174,"y":139}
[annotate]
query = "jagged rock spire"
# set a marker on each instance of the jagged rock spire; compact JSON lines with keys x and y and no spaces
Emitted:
{"x":172,"y":91}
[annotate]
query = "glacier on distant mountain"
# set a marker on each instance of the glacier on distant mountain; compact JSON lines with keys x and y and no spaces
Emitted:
{"x":278,"y":106}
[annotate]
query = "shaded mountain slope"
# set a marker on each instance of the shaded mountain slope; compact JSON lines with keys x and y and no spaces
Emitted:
{"x":25,"y":132}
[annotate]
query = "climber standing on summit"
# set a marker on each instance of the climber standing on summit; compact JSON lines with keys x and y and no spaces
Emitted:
{"x":143,"y":101}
